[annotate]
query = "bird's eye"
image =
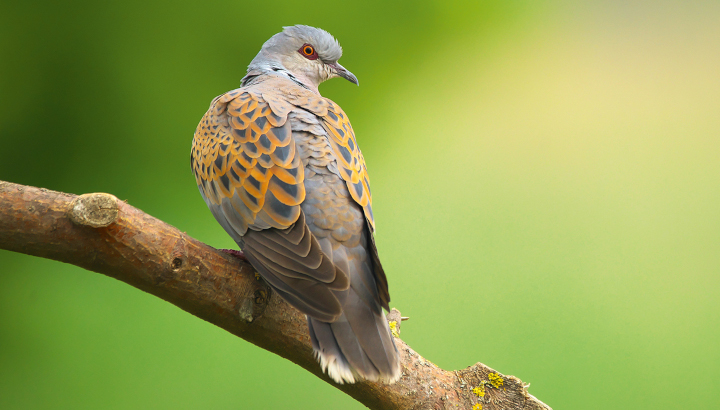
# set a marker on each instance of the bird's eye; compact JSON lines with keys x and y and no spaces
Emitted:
{"x":308,"y":52}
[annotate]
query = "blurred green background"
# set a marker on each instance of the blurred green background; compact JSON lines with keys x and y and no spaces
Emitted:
{"x":546,"y":177}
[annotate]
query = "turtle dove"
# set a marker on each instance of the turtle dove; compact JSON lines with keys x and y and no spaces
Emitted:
{"x":279,"y":167}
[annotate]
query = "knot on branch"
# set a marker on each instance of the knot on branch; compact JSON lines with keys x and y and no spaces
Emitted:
{"x":253,"y":302}
{"x":97,"y":210}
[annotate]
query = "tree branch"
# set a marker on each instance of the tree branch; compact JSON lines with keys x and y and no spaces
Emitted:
{"x":100,"y":233}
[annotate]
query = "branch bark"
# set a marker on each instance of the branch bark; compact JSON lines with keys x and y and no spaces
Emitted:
{"x":100,"y":233}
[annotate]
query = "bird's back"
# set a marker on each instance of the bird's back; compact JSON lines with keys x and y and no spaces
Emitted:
{"x":280,"y":169}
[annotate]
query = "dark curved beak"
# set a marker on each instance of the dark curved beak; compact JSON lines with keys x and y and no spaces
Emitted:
{"x":342,"y":72}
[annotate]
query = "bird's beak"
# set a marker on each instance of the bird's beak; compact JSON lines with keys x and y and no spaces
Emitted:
{"x":342,"y":72}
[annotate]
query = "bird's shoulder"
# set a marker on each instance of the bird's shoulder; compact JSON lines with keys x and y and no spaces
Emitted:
{"x":250,"y":126}
{"x":245,"y":162}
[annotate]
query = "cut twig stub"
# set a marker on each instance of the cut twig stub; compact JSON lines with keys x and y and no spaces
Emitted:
{"x":97,"y":210}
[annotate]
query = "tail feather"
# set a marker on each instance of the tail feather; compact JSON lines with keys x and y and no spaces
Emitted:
{"x":372,"y":333}
{"x":352,"y":348}
{"x":328,"y":353}
{"x":358,"y":344}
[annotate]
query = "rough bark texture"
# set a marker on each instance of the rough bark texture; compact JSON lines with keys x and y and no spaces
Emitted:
{"x":100,"y":233}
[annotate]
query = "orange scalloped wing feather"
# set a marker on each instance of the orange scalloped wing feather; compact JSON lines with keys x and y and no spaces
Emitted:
{"x":244,"y":151}
{"x":350,"y":161}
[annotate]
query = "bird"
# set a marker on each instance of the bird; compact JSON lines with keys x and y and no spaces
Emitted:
{"x":280,"y":169}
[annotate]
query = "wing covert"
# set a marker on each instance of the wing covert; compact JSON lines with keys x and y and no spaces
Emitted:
{"x":350,"y":161}
{"x":244,"y":160}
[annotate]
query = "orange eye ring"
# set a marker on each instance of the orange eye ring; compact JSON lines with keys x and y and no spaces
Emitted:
{"x":308,"y":51}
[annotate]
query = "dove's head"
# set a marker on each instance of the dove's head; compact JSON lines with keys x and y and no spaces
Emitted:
{"x":309,"y":55}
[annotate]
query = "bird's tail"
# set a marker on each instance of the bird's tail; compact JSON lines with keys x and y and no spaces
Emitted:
{"x":358,"y":344}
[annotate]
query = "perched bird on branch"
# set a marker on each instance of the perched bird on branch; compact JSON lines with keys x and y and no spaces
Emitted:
{"x":279,"y":167}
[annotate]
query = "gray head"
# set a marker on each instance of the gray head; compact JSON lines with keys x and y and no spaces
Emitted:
{"x":306,"y":53}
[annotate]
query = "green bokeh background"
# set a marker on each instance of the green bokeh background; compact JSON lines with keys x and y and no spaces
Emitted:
{"x":546,"y":177}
